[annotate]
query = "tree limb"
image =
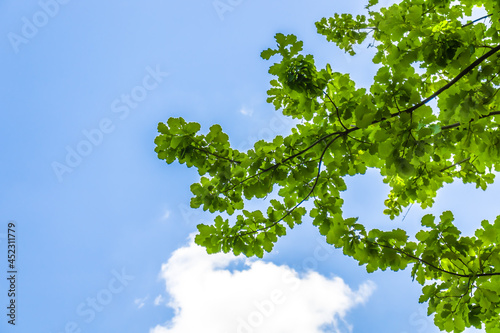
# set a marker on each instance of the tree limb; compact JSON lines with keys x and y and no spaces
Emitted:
{"x":303,"y":200}
{"x":434,"y":266}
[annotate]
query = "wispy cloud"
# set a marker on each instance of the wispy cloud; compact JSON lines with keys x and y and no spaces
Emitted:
{"x":224,"y":293}
{"x":246,"y":112}
{"x":159,"y":300}
{"x":140,"y":302}
{"x":166,"y":215}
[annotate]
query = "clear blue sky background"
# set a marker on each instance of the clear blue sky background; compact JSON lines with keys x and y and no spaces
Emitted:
{"x":121,"y":209}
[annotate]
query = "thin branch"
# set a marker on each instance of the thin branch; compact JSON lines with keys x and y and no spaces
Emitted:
{"x":434,"y":266}
{"x":455,"y":164}
{"x":451,"y":250}
{"x":210,"y":153}
{"x":438,"y":92}
{"x":411,"y":109}
{"x":340,"y":133}
{"x":493,"y":113}
{"x":421,"y":260}
{"x":452,"y":82}
{"x":340,"y":120}
{"x":355,"y":128}
{"x":337,"y":109}
{"x":218,"y":156}
{"x":303,"y":200}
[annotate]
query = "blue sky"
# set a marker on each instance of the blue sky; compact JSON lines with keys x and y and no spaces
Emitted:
{"x":103,"y":238}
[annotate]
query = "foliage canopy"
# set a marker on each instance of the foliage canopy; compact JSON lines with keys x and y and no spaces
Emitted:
{"x":425,"y":50}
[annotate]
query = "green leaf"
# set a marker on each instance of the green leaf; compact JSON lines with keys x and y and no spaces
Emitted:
{"x":192,"y":128}
{"x":428,"y":221}
{"x":176,"y":141}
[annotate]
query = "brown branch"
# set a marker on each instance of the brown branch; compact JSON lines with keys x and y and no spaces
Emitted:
{"x":455,"y":164}
{"x":451,"y":250}
{"x":411,"y":109}
{"x":337,"y":109}
{"x":198,"y":147}
{"x":218,"y":156}
{"x":303,"y":200}
{"x":420,"y":260}
{"x":341,"y":133}
{"x":467,"y":70}
{"x":434,"y":266}
{"x":493,"y":113}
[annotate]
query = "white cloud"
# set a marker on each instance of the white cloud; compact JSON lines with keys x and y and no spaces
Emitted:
{"x":166,"y":215}
{"x":246,"y":112}
{"x":140,"y":302}
{"x":210,"y":296}
{"x":158,"y":300}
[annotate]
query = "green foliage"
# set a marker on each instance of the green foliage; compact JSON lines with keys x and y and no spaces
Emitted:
{"x":425,"y":50}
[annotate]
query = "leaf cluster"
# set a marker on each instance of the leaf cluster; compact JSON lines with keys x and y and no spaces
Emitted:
{"x":426,"y":51}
